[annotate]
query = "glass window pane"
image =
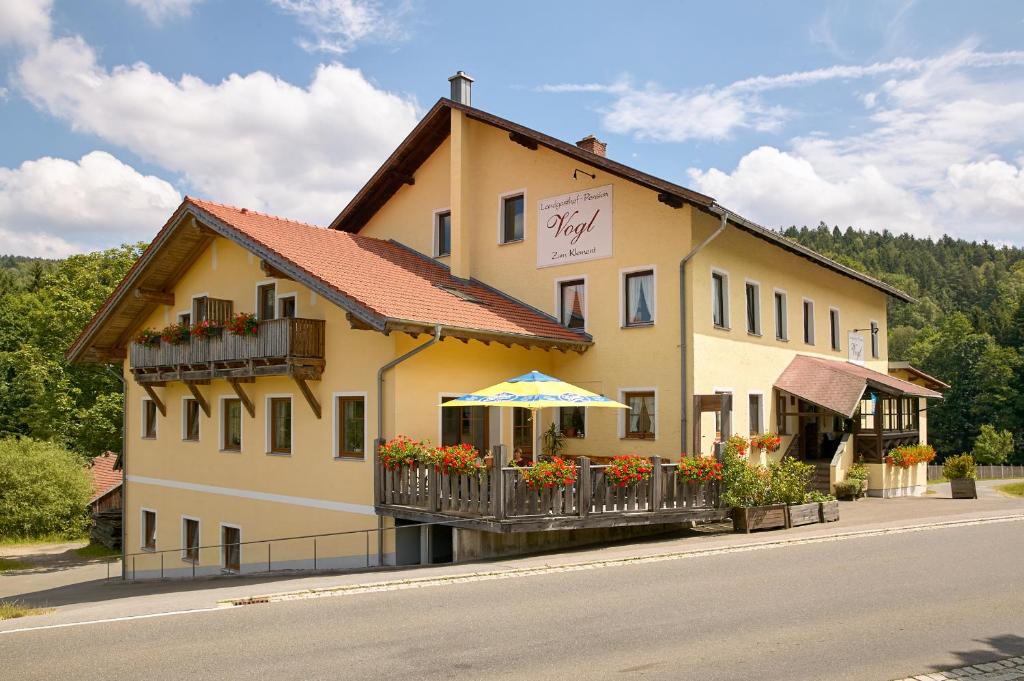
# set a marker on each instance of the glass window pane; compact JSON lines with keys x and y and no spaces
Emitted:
{"x":353,"y":426}
{"x":281,"y":424}
{"x":717,"y":300}
{"x":232,"y":424}
{"x":639,"y":298}
{"x":512,"y":220}
{"x":573,"y":305}
{"x":753,"y":313}
{"x":444,"y":234}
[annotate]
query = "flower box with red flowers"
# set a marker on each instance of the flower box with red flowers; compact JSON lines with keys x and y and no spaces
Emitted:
{"x":766,"y":442}
{"x":175,"y":333}
{"x":206,"y":329}
{"x":628,"y":469}
{"x":910,"y":455}
{"x":557,"y":472}
{"x":698,"y":469}
{"x":402,"y":452}
{"x":455,"y":459}
{"x":148,"y":337}
{"x":243,"y":324}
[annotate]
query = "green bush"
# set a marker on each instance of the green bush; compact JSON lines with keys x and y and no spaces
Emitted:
{"x":960,"y":467}
{"x":992,"y":446}
{"x":858,"y":471}
{"x":745,"y":485}
{"x":44,"y":489}
{"x":789,"y":480}
{"x":847,"y":489}
{"x":817,"y":497}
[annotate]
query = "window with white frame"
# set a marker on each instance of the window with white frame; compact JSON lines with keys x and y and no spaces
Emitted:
{"x":720,"y":299}
{"x":512,"y":218}
{"x":572,"y":421}
{"x":286,"y":306}
{"x":781,"y":316}
{"x":280,"y":425}
{"x":443,"y":233}
{"x":266,"y":301}
{"x":572,"y":303}
{"x":753,"y":294}
{"x":755,"y":412}
{"x":351,"y":425}
{"x":641,"y":419}
{"x":639,"y":297}
{"x":231,"y":424}
{"x":808,"y":321}
{"x":833,"y":326}
{"x":149,"y":419}
{"x":231,"y":547}
{"x":147,"y":528}
{"x":190,"y":419}
{"x":874,"y":340}
{"x":190,"y":539}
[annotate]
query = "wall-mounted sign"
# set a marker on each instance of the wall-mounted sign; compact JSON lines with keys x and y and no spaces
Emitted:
{"x":855,"y":343}
{"x":574,"y":227}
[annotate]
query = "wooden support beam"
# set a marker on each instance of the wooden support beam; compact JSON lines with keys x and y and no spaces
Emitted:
{"x":153,"y":396}
{"x":204,"y":404}
{"x":523,"y":140}
{"x":242,"y":396}
{"x":670,"y":200}
{"x":109,"y":354}
{"x":272,"y":271}
{"x":152,"y":295}
{"x":314,"y":404}
{"x":404,"y":178}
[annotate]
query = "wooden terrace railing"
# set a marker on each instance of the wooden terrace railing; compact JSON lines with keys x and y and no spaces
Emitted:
{"x":501,"y":495}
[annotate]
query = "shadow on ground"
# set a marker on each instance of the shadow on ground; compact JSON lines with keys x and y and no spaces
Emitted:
{"x":995,"y":648}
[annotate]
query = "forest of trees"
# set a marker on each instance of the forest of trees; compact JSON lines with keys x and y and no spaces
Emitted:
{"x":967,"y":329}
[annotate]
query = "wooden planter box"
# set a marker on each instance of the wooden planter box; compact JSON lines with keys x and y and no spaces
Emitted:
{"x":803,"y":514}
{"x":964,"y":489}
{"x":829,"y":511}
{"x":759,"y":517}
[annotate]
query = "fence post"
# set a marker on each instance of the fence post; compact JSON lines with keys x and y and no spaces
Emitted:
{"x":433,"y":481}
{"x":497,"y":482}
{"x":655,"y":498}
{"x":585,"y":484}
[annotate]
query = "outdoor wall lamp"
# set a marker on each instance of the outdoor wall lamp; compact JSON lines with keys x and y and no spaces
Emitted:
{"x":873,"y":330}
{"x":592,"y":176}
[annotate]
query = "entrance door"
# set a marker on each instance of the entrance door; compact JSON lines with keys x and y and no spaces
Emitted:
{"x":810,"y":445}
{"x":231,"y":538}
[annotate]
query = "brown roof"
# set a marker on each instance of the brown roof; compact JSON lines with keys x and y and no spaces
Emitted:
{"x":104,"y":478}
{"x":930,"y":381}
{"x":838,"y":386}
{"x":382,"y":284}
{"x":434,"y":128}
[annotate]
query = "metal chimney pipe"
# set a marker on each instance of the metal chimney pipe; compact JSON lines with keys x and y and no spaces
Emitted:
{"x":462,"y":88}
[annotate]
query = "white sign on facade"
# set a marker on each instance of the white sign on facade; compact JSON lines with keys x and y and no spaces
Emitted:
{"x":855,"y":343}
{"x":574,"y":227}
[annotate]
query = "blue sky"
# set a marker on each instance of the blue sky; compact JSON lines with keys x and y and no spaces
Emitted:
{"x":901,"y":116}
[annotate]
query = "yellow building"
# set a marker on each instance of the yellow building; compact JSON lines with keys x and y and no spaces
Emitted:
{"x":479,"y":251}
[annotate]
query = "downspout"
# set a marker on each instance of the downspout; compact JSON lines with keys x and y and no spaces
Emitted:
{"x":380,"y":426}
{"x":683,"y":377}
{"x":124,"y":462}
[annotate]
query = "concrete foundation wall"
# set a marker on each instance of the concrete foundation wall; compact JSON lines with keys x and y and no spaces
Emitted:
{"x":478,"y":544}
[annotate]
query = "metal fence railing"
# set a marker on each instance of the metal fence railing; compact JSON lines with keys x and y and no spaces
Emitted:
{"x":984,"y":472}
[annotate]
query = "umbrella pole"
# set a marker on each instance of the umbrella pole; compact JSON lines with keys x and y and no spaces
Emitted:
{"x":536,"y":438}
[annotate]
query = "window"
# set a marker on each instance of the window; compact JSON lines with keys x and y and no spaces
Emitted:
{"x":573,"y":303}
{"x":833,"y":327}
{"x":726,"y":406}
{"x":522,"y":431}
{"x":190,"y":419}
{"x":512,"y":219}
{"x":868,"y":406}
{"x":190,"y":539}
{"x":200,"y":308}
{"x":352,"y":422}
{"x":572,"y":421}
{"x":148,"y":528}
{"x":280,"y":425}
{"x":754,"y":413}
{"x":231,"y":424}
{"x":286,"y":307}
{"x":231,"y":549}
{"x":642,"y":415}
{"x":639,"y":298}
{"x":265,"y":299}
{"x":185,"y":319}
{"x":753,"y":308}
{"x":809,"y":322}
{"x":874,"y":340}
{"x":781,"y":317}
{"x":468,"y":425}
{"x":149,"y":419}
{"x":443,"y":233}
{"x":720,"y":300}
{"x":780,"y":414}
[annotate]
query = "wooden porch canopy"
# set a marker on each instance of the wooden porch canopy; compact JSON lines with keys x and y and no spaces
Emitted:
{"x":839,"y":386}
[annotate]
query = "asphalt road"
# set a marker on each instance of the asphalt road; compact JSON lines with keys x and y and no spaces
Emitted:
{"x":879,"y":607}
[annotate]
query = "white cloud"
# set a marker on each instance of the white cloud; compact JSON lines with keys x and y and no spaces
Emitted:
{"x":53,"y":207}
{"x":253,"y":140}
{"x":24,"y":22}
{"x":338,"y":24}
{"x":158,"y":11}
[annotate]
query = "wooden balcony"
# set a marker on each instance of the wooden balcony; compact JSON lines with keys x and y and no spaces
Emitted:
{"x":498,"y":499}
{"x":281,"y":347}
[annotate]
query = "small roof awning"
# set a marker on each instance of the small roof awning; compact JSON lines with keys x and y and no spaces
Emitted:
{"x":839,"y":386}
{"x":917,"y":376}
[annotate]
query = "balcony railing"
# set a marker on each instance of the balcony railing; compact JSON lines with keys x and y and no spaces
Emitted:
{"x":277,"y":345}
{"x":502,"y":501}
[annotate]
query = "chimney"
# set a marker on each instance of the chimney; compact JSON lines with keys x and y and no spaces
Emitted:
{"x":592,"y":144}
{"x":462,"y":88}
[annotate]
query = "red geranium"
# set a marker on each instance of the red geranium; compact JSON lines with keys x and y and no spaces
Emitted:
{"x":628,"y":470}
{"x":699,"y":469}
{"x":402,"y":451}
{"x":455,"y":459}
{"x":555,"y":473}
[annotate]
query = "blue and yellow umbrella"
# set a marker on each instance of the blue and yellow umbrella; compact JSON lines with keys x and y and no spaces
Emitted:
{"x":534,"y":391}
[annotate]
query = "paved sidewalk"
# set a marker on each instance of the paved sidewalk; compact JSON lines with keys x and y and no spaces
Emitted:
{"x":1000,"y":670}
{"x":94,"y":598}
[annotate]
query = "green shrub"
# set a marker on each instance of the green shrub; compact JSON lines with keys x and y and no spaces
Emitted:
{"x":746,"y":485}
{"x":960,"y":467}
{"x":817,"y":497}
{"x":992,"y":446}
{"x":858,"y":471}
{"x":44,"y":489}
{"x":789,"y":480}
{"x":847,"y":488}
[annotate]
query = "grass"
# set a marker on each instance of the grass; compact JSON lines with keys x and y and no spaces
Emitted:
{"x":40,"y":539}
{"x":1016,"y":489}
{"x":96,"y":551}
{"x":10,"y":610}
{"x":8,"y":564}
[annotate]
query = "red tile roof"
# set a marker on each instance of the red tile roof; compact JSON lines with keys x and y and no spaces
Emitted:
{"x":104,"y":477}
{"x":838,"y":386}
{"x":389,"y":280}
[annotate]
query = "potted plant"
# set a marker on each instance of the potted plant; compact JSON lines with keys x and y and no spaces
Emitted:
{"x":789,"y":480}
{"x":243,"y":324}
{"x":628,"y":469}
{"x":961,"y":473}
{"x":748,"y":490}
{"x":557,"y":472}
{"x":828,"y":506}
{"x":858,"y":475}
{"x":148,"y":337}
{"x":206,"y":328}
{"x":553,"y":441}
{"x":458,"y":459}
{"x":848,"y":489}
{"x":175,"y":333}
{"x":403,"y":452}
{"x":910,"y":455}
